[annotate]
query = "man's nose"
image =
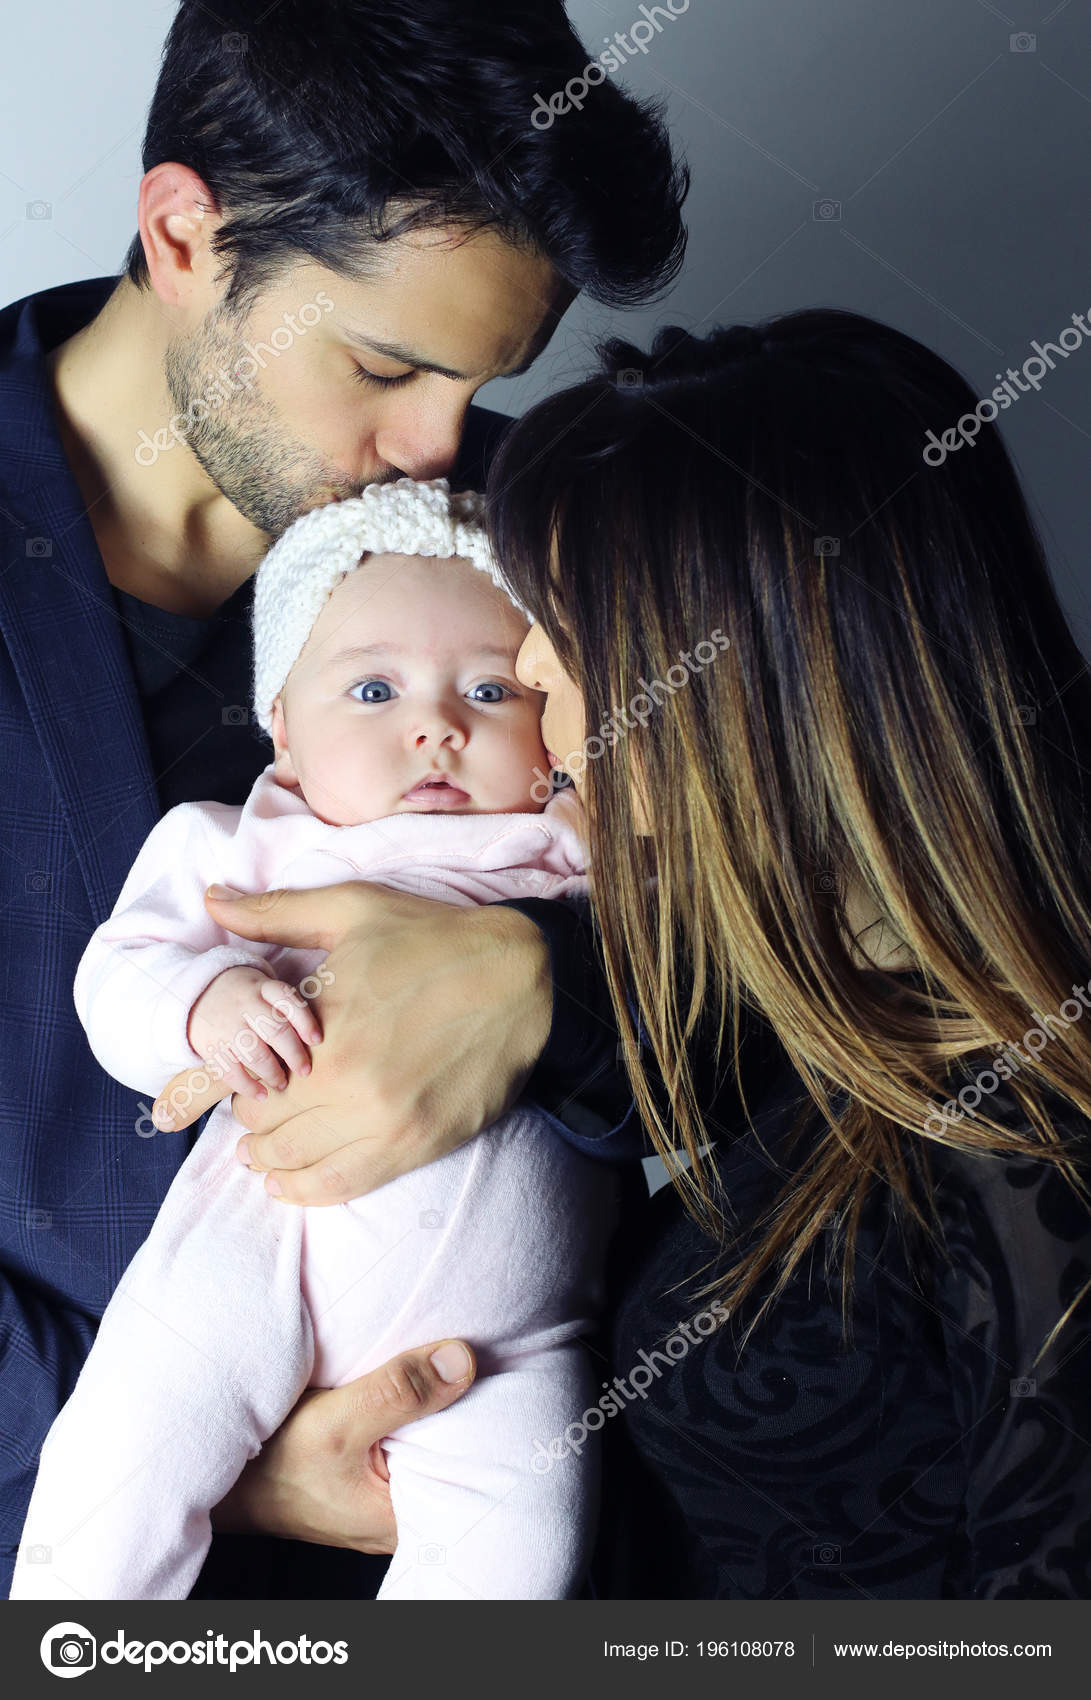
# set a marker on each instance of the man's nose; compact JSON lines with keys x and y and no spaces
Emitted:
{"x":422,"y":444}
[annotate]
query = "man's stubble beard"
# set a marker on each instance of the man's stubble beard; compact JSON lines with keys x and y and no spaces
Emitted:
{"x":270,"y":477}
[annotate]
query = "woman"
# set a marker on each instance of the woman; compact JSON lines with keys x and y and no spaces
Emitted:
{"x":849,"y":1342}
{"x":866,"y":824}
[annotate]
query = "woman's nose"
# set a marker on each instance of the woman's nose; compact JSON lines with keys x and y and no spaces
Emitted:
{"x":529,"y":663}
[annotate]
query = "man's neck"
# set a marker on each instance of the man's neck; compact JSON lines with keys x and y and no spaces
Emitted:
{"x":165,"y":532}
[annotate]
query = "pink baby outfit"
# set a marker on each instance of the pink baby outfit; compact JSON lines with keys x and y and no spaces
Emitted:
{"x":236,"y":1302}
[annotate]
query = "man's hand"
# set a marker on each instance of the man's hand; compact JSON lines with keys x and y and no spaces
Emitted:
{"x":433,"y":1017}
{"x":322,"y":1476}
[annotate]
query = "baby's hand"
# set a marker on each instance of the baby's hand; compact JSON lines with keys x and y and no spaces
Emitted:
{"x":234,"y":1022}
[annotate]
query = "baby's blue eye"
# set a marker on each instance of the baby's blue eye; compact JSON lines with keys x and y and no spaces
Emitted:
{"x":490,"y":685}
{"x":375,"y":690}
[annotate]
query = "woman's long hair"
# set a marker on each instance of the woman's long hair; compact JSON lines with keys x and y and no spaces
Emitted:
{"x":828,"y":667}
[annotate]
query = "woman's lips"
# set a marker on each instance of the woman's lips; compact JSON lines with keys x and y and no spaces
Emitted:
{"x":553,"y":760}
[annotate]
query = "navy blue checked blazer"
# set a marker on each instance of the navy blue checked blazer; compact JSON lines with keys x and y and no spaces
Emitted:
{"x":80,"y":1181}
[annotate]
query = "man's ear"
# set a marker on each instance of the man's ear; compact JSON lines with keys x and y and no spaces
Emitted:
{"x":283,"y":768}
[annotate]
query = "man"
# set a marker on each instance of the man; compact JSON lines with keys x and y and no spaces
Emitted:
{"x":347,"y":224}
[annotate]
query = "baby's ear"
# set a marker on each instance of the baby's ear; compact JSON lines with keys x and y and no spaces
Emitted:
{"x":282,"y":759}
{"x":276,"y":716}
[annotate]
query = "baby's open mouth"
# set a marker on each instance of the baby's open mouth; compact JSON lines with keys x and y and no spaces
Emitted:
{"x":437,"y":792}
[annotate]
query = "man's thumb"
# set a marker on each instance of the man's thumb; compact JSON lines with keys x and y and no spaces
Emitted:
{"x":417,"y":1383}
{"x":187,"y":1096}
{"x":453,"y":1361}
{"x":300,"y":918}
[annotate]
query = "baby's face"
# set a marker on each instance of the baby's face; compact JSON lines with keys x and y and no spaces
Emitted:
{"x":404,"y":699}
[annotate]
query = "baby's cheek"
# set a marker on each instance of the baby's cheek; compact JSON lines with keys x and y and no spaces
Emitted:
{"x":532,"y":764}
{"x":517,"y":760}
{"x":532,"y":740}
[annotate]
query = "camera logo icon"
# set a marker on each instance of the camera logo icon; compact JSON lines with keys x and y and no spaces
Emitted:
{"x":68,"y":1649}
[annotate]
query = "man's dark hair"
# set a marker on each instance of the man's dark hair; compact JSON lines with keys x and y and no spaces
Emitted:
{"x":324,"y":126}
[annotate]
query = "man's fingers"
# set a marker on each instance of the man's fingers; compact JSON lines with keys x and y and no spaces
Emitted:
{"x":187,"y":1096}
{"x":301,"y":1166}
{"x":279,"y":1139}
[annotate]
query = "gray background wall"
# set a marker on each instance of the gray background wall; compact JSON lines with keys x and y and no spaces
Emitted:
{"x":956,"y":166}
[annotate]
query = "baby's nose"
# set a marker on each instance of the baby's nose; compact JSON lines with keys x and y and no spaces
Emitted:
{"x":441,"y":730}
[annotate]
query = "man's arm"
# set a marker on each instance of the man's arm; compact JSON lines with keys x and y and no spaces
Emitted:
{"x":579,"y":1080}
{"x":42,"y":1347}
{"x":536,"y":993}
{"x":435,"y":1019}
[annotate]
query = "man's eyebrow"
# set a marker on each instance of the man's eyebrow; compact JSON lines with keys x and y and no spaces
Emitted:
{"x":360,"y":652}
{"x":396,"y":351}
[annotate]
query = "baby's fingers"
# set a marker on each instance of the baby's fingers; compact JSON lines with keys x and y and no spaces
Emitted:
{"x":256,"y":1055}
{"x":290,"y":1003}
{"x":233,"y":1075}
{"x":288,"y":1046}
{"x":240,"y":1081}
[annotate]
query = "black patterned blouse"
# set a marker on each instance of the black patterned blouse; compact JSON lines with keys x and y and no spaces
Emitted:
{"x":933,"y":1459}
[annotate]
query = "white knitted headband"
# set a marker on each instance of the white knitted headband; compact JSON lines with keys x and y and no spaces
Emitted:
{"x":408,"y":517}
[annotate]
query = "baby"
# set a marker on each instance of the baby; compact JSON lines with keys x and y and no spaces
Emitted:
{"x":406,"y":753}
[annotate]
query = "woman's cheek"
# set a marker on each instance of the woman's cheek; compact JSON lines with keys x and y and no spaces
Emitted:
{"x":569,"y":733}
{"x":555,"y":725}
{"x":576,"y":711}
